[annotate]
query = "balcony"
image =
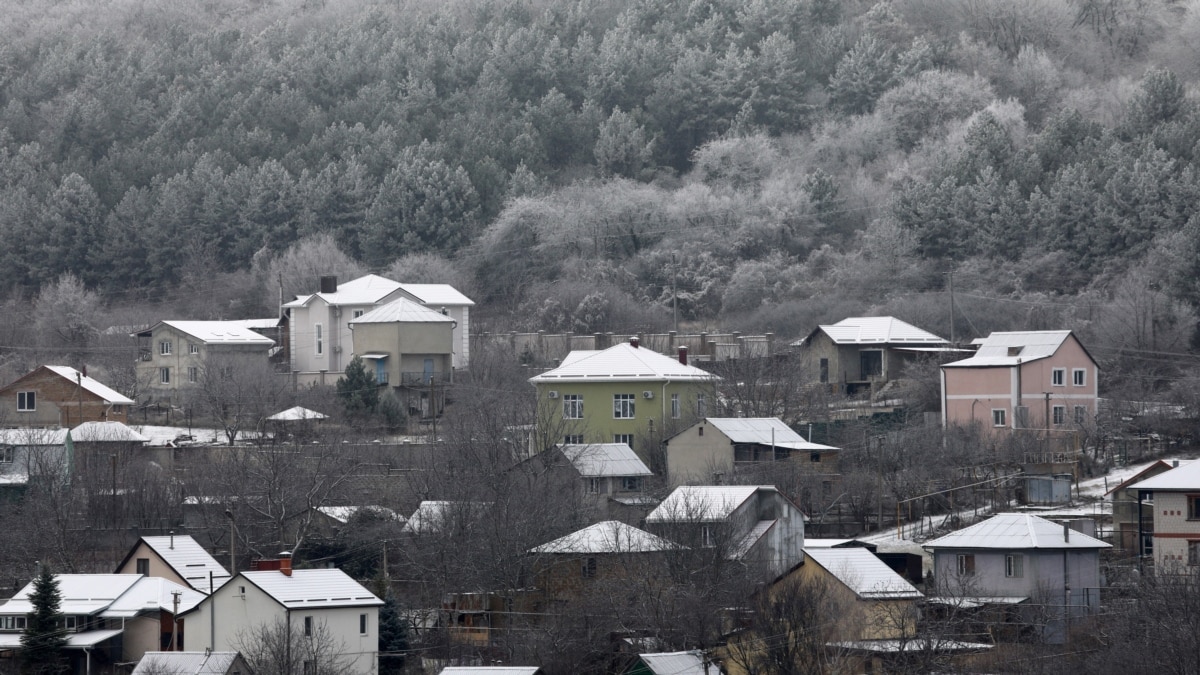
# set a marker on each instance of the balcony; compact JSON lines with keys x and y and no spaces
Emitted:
{"x":425,"y":379}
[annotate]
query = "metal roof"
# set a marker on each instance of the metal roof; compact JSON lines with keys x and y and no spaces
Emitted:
{"x":678,"y":663}
{"x":433,"y":515}
{"x":189,"y":560}
{"x":490,"y":670}
{"x":701,"y":503}
{"x":220,"y":332}
{"x":437,"y":294}
{"x":186,"y":663}
{"x":366,"y":290}
{"x":862,"y":572}
{"x":605,"y":459}
{"x":343,"y":514}
{"x":623,"y":363}
{"x":1012,"y":348}
{"x":863,"y":330}
{"x":312,"y":588}
{"x":87,"y":638}
{"x":1014,"y":532}
{"x":1184,"y":477}
{"x":152,"y":594}
{"x":760,"y":530}
{"x":402,"y":310}
{"x":93,"y":385}
{"x":295,"y":414}
{"x":81,"y":593}
{"x":763,"y":431}
{"x":106,"y":432}
{"x":610,"y":536}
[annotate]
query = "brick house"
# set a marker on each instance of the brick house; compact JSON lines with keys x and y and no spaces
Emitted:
{"x":60,"y":396}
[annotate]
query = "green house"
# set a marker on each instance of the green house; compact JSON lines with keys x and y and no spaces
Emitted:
{"x":623,"y":394}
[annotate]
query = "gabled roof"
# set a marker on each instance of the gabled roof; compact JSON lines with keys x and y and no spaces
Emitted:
{"x":218,"y":332}
{"x":763,"y":431}
{"x":150,"y":594}
{"x":432,"y":515}
{"x":1155,"y":468}
{"x":402,"y":310}
{"x":186,"y":557}
{"x":622,"y":363}
{"x":605,"y":459}
{"x":1014,"y":532}
{"x":102,"y":432}
{"x":81,"y":593}
{"x":89,"y":384}
{"x":703,"y":503}
{"x":610,"y":536}
{"x":186,"y":663}
{"x":756,"y":533}
{"x":312,"y":588}
{"x":366,"y":290}
{"x":437,"y":294}
{"x":1183,"y":478}
{"x":296,"y":414}
{"x":862,"y":572}
{"x":677,"y":663}
{"x":876,"y":330}
{"x":343,"y":514}
{"x":1013,"y":348}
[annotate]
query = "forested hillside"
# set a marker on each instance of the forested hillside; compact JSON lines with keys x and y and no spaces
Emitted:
{"x":567,"y":162}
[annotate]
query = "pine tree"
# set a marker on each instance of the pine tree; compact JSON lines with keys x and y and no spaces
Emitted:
{"x":393,"y":637}
{"x":45,"y":635}
{"x":357,"y":389}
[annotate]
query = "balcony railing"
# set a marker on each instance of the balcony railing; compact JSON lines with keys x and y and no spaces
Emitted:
{"x":425,"y":379}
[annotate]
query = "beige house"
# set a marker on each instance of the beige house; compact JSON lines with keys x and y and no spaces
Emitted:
{"x":60,"y":396}
{"x":860,"y":354}
{"x":410,"y":348}
{"x":713,"y":449}
{"x":177,"y":558}
{"x":1172,"y":499}
{"x":174,"y":353}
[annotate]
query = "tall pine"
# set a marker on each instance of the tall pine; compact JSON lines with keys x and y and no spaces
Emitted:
{"x":45,"y":634}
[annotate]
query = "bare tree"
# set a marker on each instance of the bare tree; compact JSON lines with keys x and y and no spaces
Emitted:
{"x":277,"y":648}
{"x":238,"y":391}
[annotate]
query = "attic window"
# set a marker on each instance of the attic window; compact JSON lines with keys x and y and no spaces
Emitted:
{"x":1015,"y":351}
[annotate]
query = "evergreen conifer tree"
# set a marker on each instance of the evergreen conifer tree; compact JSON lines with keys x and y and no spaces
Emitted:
{"x":358,"y":390}
{"x":393,"y":637}
{"x":45,"y":634}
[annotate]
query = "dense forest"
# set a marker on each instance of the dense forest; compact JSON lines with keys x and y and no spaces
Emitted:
{"x":575,"y":165}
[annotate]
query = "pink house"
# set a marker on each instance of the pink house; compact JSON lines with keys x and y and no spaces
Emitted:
{"x":1041,"y":380}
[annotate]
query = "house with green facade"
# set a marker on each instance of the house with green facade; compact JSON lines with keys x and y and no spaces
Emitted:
{"x":624,"y":394}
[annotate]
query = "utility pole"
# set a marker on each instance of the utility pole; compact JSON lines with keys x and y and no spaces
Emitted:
{"x":674,"y":295}
{"x":175,"y":619}
{"x":950,"y":284}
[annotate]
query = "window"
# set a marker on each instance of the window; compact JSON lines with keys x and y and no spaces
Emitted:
{"x":71,"y":622}
{"x":164,"y":347}
{"x":1079,"y":377}
{"x":1193,"y":552}
{"x":588,"y":569}
{"x":193,"y":348}
{"x":1060,"y":414}
{"x":1081,"y":414}
{"x":362,"y":624}
{"x":966,"y":564}
{"x":701,"y":406}
{"x":7,"y":454}
{"x":675,"y":409}
{"x":1193,"y":507}
{"x":358,"y":313}
{"x":164,"y":375}
{"x":631,"y":483}
{"x":814,"y":457}
{"x":627,"y":439}
{"x":193,"y":374}
{"x":707,"y":539}
{"x":1058,"y":377}
{"x":593,"y":486}
{"x":308,"y":626}
{"x":870,"y":363}
{"x":573,"y":439}
{"x":623,"y":407}
{"x":572,"y":407}
{"x":998,"y":415}
{"x":824,"y":370}
{"x":1014,"y":565}
{"x":143,"y":566}
{"x":26,"y":401}
{"x":318,"y":340}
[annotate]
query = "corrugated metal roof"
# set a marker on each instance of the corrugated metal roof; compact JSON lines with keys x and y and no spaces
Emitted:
{"x":862,"y":572}
{"x":260,"y":324}
{"x":879,"y":330}
{"x":1011,"y":348}
{"x":1016,"y":531}
{"x":605,"y":459}
{"x":87,"y":638}
{"x":701,"y":503}
{"x":610,"y":536}
{"x":189,"y":560}
{"x":764,"y":431}
{"x":81,"y":593}
{"x":101,"y":432}
{"x":623,"y":363}
{"x":186,"y":663}
{"x":678,"y":663}
{"x":1184,"y":477}
{"x":93,"y":385}
{"x":402,"y":310}
{"x":313,"y":588}
{"x":437,"y":294}
{"x":152,"y":594}
{"x":220,"y":332}
{"x":366,"y":290}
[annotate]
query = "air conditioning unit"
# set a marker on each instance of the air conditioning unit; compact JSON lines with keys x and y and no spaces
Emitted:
{"x":647,"y":394}
{"x":553,"y":394}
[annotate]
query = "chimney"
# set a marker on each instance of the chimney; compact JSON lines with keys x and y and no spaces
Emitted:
{"x":683,"y":355}
{"x":84,"y":370}
{"x":634,"y":342}
{"x":172,"y":546}
{"x":1175,"y":463}
{"x":329,"y":284}
{"x":285,"y":563}
{"x":1067,"y":532}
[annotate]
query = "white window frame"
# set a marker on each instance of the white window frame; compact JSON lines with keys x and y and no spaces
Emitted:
{"x":572,"y":406}
{"x":701,"y":406}
{"x":1058,"y":414}
{"x":193,"y":374}
{"x":631,"y":484}
{"x":193,"y":348}
{"x":318,"y":339}
{"x":1058,"y":377}
{"x":7,"y":454}
{"x":164,"y":347}
{"x":26,"y":401}
{"x":627,"y":439}
{"x":363,"y":624}
{"x":707,"y":539}
{"x":1081,"y":414}
{"x":1079,"y":377}
{"x":164,"y":375}
{"x":676,"y":408}
{"x":999,"y":417}
{"x":624,"y":406}
{"x":573,"y":439}
{"x":1014,"y":566}
{"x":593,"y":486}
{"x":965,"y":564}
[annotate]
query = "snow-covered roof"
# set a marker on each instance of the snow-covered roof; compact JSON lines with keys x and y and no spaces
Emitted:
{"x":610,"y":536}
{"x":703,"y":503}
{"x":677,"y":663}
{"x":150,"y":594}
{"x":437,"y":294}
{"x":100,"y":432}
{"x":864,"y":330}
{"x":1184,"y":477}
{"x":260,"y":324}
{"x":490,"y":670}
{"x":296,"y":414}
{"x":186,"y":663}
{"x":343,"y":514}
{"x":1012,"y":348}
{"x":91,"y":384}
{"x":188,"y":558}
{"x":1016,"y":531}
{"x":81,"y":593}
{"x":764,"y":431}
{"x":433,"y":515}
{"x":220,"y":332}
{"x":80,"y":640}
{"x":402,"y":310}
{"x":939,"y":645}
{"x":31,"y":436}
{"x":312,"y":588}
{"x":862,"y":572}
{"x":622,"y":363}
{"x":1157,"y":467}
{"x":366,"y":290}
{"x":605,"y":459}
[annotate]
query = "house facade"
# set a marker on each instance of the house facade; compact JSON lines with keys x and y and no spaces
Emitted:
{"x":1132,"y":524}
{"x":714,"y":448}
{"x":178,"y":558}
{"x":610,"y":478}
{"x":60,"y":397}
{"x":1044,"y":381}
{"x":623,"y":394}
{"x":860,"y":354}
{"x":174,"y":354}
{"x":410,"y":348}
{"x":447,"y":300}
{"x":596,"y":561}
{"x":1173,"y":497}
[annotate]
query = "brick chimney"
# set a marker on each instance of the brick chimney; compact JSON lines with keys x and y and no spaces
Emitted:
{"x":683,"y":355}
{"x":285,"y":563}
{"x":634,"y":342}
{"x":282,"y":564}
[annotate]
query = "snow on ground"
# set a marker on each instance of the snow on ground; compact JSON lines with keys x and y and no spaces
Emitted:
{"x":160,"y":436}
